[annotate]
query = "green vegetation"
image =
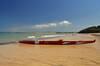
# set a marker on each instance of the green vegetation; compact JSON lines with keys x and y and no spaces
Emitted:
{"x":93,"y":29}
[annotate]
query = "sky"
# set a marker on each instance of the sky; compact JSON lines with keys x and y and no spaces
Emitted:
{"x":48,"y":15}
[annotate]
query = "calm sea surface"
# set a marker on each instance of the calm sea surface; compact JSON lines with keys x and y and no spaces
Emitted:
{"x":21,"y":36}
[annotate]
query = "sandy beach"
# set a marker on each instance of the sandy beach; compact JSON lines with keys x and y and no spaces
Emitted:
{"x":52,"y":55}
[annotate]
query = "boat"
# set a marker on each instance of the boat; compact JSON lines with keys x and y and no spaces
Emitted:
{"x":58,"y":42}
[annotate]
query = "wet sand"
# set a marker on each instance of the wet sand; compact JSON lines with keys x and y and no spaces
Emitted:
{"x":52,"y":55}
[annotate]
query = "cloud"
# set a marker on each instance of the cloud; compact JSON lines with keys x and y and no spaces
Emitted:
{"x":41,"y":26}
{"x":53,"y":24}
{"x":64,"y":22}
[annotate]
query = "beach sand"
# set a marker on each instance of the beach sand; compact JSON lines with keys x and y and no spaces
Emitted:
{"x":52,"y":55}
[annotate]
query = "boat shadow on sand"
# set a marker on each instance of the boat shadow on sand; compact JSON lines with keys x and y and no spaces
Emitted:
{"x":55,"y":45}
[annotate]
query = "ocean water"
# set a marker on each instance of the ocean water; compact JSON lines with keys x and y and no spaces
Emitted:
{"x":10,"y":37}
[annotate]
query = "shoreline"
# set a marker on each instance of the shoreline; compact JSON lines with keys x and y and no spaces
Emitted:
{"x":95,"y":34}
{"x":52,"y":55}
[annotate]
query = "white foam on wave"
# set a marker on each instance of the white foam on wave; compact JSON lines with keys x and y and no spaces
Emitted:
{"x":31,"y":37}
{"x":51,"y":36}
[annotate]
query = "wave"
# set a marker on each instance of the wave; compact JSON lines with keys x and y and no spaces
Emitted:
{"x":52,"y":35}
{"x":8,"y":42}
{"x":44,"y":36}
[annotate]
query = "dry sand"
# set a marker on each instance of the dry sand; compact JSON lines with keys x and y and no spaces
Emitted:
{"x":52,"y":55}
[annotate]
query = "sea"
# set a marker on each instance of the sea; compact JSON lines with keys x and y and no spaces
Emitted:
{"x":14,"y":37}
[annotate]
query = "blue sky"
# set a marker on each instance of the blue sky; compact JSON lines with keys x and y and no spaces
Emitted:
{"x":47,"y":15}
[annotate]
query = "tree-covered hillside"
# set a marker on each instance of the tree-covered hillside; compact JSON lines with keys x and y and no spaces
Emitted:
{"x":93,"y":29}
